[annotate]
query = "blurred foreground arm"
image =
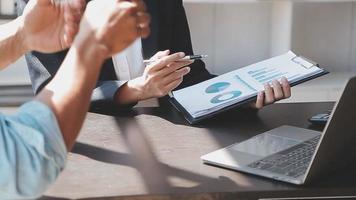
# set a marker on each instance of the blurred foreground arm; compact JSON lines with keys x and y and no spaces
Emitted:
{"x":68,"y":94}
{"x":34,"y":142}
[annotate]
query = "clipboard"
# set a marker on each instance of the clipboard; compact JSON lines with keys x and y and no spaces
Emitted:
{"x":300,"y":60}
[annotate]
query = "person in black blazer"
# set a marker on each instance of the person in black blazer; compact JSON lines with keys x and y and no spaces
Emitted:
{"x":169,"y":31}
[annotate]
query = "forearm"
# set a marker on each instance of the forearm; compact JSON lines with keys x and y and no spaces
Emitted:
{"x":127,"y":94}
{"x":68,"y":94}
{"x":12,"y":44}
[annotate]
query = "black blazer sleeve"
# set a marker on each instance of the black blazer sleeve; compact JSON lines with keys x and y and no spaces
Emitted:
{"x":181,"y":41}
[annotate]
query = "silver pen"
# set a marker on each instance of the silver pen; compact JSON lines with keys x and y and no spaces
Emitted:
{"x":186,"y":58}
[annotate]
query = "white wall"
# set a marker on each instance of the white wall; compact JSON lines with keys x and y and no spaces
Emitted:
{"x":7,"y":7}
{"x":325,"y":33}
{"x":233,"y":35}
{"x":16,"y":74}
{"x":237,"y":34}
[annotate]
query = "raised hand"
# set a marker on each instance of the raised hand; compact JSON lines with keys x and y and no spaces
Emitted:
{"x":51,"y":25}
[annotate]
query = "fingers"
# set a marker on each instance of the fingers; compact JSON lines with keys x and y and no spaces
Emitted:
{"x":269,"y":94}
{"x":69,"y":35}
{"x":173,"y":67}
{"x":126,"y":21}
{"x":171,"y":86}
{"x":163,"y":62}
{"x":78,"y":8}
{"x":286,"y":88}
{"x":167,"y":69}
{"x":179,"y":74}
{"x":127,"y":8}
{"x":73,"y":12}
{"x":179,"y":64}
{"x":277,"y":90}
{"x":171,"y":58}
{"x":126,"y":17}
{"x":160,"y":55}
{"x":143,"y":20}
{"x":260,"y":100}
{"x":165,"y":74}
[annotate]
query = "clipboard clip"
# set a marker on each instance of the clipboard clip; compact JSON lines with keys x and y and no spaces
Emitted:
{"x":304,"y":62}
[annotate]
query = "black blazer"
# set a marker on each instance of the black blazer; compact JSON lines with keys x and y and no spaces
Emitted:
{"x":169,"y":30}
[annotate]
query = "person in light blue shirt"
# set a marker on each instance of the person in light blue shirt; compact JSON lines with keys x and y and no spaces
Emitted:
{"x":34,"y":142}
{"x":32,"y":151}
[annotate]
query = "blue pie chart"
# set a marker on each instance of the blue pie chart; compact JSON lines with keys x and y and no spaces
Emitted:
{"x":225,"y":97}
{"x":217,"y":87}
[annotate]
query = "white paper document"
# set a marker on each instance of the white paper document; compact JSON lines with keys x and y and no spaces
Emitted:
{"x":244,"y":83}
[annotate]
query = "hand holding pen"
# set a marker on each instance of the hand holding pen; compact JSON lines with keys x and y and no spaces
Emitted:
{"x":162,"y":74}
{"x":186,"y":58}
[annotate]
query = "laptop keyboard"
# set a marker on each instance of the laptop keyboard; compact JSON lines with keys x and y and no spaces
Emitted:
{"x":291,"y":162}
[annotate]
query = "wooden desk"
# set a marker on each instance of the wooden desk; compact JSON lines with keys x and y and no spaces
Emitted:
{"x":153,"y":154}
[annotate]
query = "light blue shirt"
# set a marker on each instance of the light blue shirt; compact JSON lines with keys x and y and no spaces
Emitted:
{"x":32,"y":152}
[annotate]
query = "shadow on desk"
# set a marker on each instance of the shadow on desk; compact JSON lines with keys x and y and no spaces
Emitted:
{"x":154,"y":173}
{"x":220,"y":126}
{"x":155,"y":145}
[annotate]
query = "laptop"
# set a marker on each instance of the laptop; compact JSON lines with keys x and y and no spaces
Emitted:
{"x":296,"y":155}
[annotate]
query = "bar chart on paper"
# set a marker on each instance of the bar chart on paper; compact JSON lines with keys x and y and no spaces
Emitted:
{"x":267,"y":75}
